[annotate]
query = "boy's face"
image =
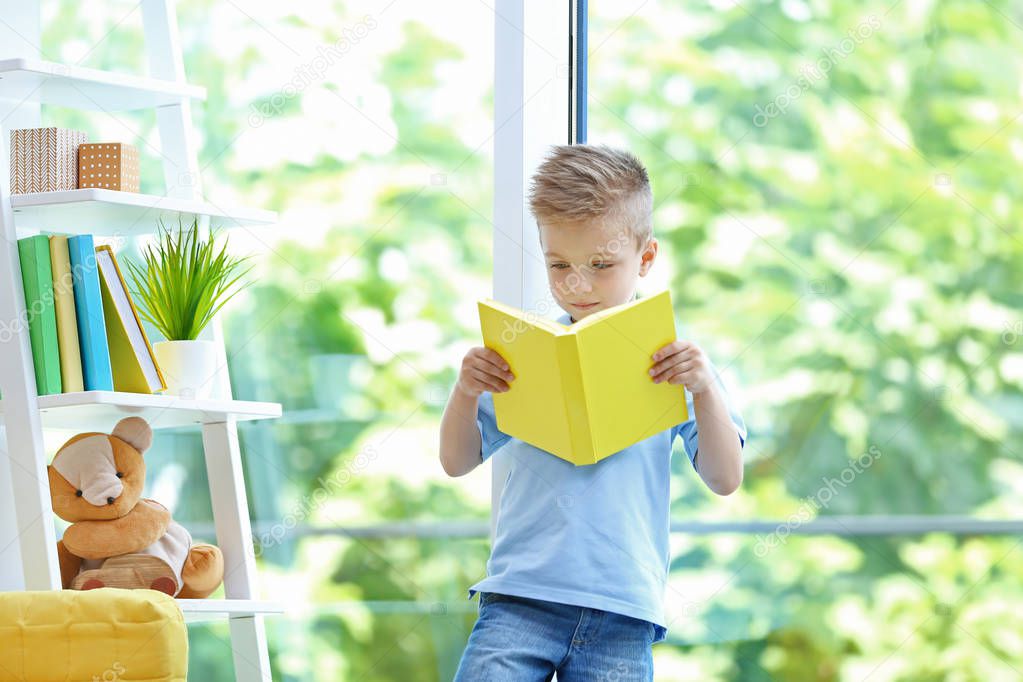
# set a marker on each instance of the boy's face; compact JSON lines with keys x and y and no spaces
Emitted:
{"x":593,"y":263}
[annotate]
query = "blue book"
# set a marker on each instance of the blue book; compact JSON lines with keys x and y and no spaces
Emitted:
{"x":92,"y":329}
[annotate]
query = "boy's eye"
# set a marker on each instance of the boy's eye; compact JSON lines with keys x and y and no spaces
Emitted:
{"x":595,"y":266}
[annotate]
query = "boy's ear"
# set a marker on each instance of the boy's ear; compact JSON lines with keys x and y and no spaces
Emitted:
{"x":647,"y":256}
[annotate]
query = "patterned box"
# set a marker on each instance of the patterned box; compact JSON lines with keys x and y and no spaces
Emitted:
{"x":108,"y":165}
{"x":44,"y":159}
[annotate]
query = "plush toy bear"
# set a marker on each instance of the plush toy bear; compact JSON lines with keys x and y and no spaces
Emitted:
{"x":117,"y":539}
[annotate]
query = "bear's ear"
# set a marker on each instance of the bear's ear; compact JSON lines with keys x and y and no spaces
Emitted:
{"x":135,"y":432}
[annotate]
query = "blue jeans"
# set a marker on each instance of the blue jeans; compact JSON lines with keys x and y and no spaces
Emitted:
{"x":525,"y":640}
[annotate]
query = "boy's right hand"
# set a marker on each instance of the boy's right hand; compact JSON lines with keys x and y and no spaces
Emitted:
{"x":483,"y":369}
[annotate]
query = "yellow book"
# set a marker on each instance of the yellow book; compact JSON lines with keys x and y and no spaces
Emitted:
{"x":584,"y":392}
{"x":131,"y":357}
{"x":67,"y":319}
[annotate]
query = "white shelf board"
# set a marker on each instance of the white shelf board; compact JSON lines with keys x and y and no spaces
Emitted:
{"x":35,"y":80}
{"x":101,"y":410}
{"x":202,"y":610}
{"x":109,"y":212}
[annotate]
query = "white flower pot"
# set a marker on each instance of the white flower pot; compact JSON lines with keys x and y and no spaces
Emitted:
{"x":189,"y":367}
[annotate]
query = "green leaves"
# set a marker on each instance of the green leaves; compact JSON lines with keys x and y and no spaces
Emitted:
{"x":185,"y":281}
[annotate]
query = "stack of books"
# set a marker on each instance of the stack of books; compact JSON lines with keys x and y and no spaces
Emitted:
{"x":85,"y":332}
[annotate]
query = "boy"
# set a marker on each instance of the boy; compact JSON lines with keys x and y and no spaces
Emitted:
{"x":577,"y":572}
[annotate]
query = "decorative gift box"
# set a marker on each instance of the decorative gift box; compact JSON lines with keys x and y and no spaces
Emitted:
{"x":108,"y":165}
{"x":44,"y":159}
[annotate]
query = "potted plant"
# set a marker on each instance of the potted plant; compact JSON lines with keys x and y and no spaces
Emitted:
{"x":183,"y":282}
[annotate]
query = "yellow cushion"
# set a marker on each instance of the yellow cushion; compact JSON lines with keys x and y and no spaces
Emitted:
{"x":103,"y":634}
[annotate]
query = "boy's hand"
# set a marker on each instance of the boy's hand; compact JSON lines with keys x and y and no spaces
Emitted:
{"x":483,"y":369}
{"x":682,"y":362}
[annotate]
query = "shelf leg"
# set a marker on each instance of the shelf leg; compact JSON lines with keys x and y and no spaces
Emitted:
{"x":23,"y":456}
{"x":220,"y":440}
{"x":248,"y":637}
{"x":234,"y":537}
{"x":11,"y":578}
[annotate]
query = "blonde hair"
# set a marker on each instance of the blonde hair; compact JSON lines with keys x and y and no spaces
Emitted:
{"x":582,"y":182}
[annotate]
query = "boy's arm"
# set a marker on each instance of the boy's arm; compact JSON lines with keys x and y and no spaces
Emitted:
{"x":461,"y":446}
{"x":460,"y":441}
{"x":719,"y":457}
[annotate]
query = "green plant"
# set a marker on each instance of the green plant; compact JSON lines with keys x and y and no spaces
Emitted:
{"x":185,"y":281}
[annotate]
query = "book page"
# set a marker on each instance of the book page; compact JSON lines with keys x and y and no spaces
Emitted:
{"x":533,"y":410}
{"x":123,"y":309}
{"x":625,"y":406}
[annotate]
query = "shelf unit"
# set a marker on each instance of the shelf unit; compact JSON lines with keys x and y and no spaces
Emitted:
{"x":28,"y":82}
{"x":205,"y":610}
{"x":125,"y":214}
{"x":100,"y":410}
{"x":75,"y":87}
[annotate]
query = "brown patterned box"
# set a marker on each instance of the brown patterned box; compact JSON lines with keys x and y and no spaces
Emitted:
{"x":44,"y":159}
{"x":108,"y":165}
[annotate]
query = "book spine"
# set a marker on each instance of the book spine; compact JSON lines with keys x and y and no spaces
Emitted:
{"x":67,"y":324}
{"x":575,"y":400}
{"x":37,"y":279}
{"x":92,"y":331}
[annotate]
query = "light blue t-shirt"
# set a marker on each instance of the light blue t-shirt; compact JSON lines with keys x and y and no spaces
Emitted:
{"x":593,"y":535}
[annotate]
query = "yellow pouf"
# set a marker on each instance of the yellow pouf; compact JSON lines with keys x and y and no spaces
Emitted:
{"x":105,"y":634}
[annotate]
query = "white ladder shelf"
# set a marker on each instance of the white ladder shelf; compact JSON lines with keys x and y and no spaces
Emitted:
{"x":28,"y":81}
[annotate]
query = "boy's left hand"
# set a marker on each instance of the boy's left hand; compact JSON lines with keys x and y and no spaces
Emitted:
{"x":682,"y":362}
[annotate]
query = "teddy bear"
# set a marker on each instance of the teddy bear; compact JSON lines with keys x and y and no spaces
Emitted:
{"x":116,"y":537}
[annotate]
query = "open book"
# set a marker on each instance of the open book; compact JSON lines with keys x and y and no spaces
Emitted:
{"x":131,"y":357}
{"x":584,"y":392}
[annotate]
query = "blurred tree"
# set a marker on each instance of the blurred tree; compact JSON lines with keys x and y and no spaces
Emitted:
{"x":837,"y":207}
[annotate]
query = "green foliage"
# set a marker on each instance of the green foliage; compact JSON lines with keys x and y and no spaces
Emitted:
{"x":852,"y":297}
{"x":185,"y":281}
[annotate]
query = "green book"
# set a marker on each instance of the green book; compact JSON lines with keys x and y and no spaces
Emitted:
{"x":37,"y":277}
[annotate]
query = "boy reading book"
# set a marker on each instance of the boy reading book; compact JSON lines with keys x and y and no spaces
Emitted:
{"x":583,"y":392}
{"x":579,"y":564}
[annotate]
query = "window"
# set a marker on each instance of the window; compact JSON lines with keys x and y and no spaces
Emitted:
{"x":836,"y":205}
{"x":835,"y":202}
{"x":368,"y":127}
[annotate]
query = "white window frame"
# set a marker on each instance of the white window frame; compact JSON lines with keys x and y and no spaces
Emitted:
{"x":531,"y":113}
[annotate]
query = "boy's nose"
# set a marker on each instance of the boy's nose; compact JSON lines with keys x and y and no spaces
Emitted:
{"x":582,"y":280}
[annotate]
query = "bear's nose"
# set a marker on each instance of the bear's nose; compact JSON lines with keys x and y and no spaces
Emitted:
{"x":101,"y":489}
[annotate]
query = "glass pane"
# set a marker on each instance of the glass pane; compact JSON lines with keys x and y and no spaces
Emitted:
{"x":835,"y":202}
{"x":934,"y":608}
{"x":368,"y":127}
